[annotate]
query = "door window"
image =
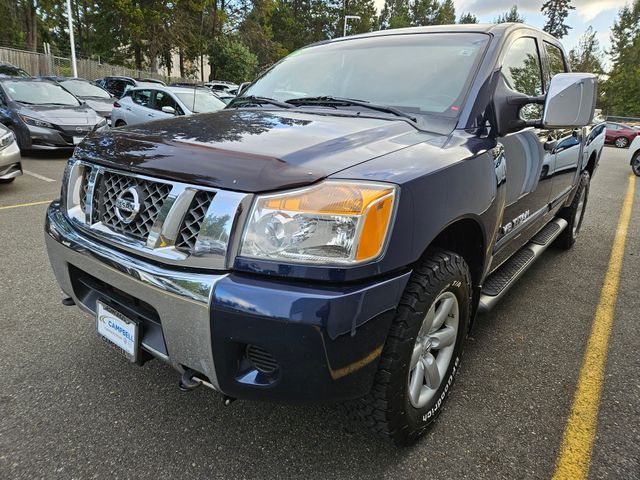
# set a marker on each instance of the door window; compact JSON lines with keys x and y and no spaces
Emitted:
{"x":556,"y":60}
{"x":163,"y":99}
{"x":521,"y":73}
{"x":141,"y":97}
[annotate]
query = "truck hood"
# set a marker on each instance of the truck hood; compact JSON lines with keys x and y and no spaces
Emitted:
{"x":250,"y":150}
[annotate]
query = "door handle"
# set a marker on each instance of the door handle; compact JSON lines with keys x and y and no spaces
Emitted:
{"x":127,"y":108}
{"x":151,"y":114}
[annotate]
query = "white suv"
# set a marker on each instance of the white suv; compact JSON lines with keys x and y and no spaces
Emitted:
{"x":144,"y":104}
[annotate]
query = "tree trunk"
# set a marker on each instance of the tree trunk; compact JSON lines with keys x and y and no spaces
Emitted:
{"x":137,"y":53}
{"x":181,"y":62}
{"x":32,"y":27}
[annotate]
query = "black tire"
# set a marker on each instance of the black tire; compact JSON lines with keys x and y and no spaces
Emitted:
{"x":387,"y":409}
{"x":7,"y":180}
{"x":635,"y":164}
{"x":120,"y":123}
{"x":621,"y":142}
{"x":568,"y":236}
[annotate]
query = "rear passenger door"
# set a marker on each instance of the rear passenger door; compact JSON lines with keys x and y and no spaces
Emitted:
{"x":567,"y":150}
{"x":527,"y":152}
{"x":140,"y":107}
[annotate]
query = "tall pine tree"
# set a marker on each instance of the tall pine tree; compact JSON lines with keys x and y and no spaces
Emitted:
{"x":556,"y":12}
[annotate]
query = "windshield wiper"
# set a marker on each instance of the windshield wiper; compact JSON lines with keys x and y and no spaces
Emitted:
{"x":253,"y":99}
{"x":335,"y":101}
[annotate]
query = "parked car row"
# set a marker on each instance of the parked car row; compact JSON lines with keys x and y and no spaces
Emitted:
{"x":58,"y":112}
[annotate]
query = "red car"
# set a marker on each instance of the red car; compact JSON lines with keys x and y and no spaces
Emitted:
{"x":620,"y":135}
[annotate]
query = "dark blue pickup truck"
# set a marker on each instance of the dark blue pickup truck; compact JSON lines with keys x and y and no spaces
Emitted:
{"x":331,"y":235}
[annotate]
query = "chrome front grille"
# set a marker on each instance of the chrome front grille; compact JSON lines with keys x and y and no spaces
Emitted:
{"x":153,"y":196}
{"x":192,"y":224}
{"x":171,"y":222}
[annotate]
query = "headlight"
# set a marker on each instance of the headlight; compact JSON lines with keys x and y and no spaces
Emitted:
{"x":35,"y":122}
{"x":6,"y":140}
{"x":334,"y":222}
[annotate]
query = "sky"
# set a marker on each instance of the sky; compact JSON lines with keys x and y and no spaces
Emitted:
{"x":598,"y":13}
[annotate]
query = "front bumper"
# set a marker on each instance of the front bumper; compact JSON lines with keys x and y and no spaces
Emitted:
{"x":325,"y":340}
{"x":10,"y":166}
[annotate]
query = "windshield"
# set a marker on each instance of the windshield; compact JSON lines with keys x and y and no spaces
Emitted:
{"x":39,"y":93}
{"x":417,"y":73}
{"x":84,"y":89}
{"x":200,"y":102}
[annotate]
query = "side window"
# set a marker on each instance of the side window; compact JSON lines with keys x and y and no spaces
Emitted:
{"x":521,"y":72}
{"x":141,"y":97}
{"x":163,"y":99}
{"x":556,"y":60}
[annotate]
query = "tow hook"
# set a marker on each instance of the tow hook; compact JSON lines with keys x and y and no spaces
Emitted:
{"x":189,"y":381}
{"x":68,"y":302}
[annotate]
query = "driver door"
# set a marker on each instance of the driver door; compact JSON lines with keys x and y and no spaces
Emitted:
{"x":528,"y":154}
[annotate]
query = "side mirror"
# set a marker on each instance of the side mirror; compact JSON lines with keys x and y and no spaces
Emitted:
{"x":168,"y":109}
{"x":570,"y":100}
{"x":242,"y":87}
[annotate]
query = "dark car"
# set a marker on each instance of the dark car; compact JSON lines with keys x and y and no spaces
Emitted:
{"x":6,"y":69}
{"x":327,"y":238}
{"x":90,"y":93}
{"x":620,"y":135}
{"x":43,"y":115}
{"x":116,"y":86}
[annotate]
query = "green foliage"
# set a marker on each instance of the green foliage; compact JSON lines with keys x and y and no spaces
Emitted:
{"x":468,"y":18}
{"x":417,"y":13}
{"x":587,"y":55}
{"x":232,"y":60}
{"x":556,"y":12}
{"x":511,"y":16}
{"x":622,"y":88}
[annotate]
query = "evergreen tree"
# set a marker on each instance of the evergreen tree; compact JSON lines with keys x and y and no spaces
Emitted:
{"x":511,"y":16}
{"x":623,"y":85}
{"x":587,"y":55}
{"x":468,"y":18}
{"x":446,"y":13}
{"x":556,"y":12}
{"x":395,"y":14}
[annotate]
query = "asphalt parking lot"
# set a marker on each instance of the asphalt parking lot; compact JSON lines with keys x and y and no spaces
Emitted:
{"x":72,"y":408}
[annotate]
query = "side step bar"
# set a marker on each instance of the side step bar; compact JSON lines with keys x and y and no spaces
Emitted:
{"x":499,"y":282}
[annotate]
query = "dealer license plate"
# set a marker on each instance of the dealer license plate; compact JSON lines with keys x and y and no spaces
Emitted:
{"x":118,"y":330}
{"x":77,"y":140}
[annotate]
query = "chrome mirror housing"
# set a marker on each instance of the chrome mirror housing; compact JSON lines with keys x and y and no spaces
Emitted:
{"x":570,"y":100}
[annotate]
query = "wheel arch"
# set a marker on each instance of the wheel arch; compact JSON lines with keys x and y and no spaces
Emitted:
{"x":464,"y":236}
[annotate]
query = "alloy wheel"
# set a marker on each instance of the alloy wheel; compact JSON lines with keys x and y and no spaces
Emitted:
{"x":433,"y":349}
{"x":621,"y":142}
{"x":579,"y":212}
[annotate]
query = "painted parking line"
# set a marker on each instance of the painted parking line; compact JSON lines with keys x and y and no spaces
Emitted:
{"x":38,"y":176}
{"x":31,"y":204}
{"x":579,"y":434}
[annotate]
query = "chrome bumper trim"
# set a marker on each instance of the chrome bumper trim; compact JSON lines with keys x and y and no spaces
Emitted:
{"x":182,"y":299}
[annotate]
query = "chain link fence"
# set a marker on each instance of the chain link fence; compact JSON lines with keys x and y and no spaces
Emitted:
{"x":40,"y":64}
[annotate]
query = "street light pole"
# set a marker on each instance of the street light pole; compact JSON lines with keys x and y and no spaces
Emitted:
{"x":346,"y":19}
{"x":74,"y":66}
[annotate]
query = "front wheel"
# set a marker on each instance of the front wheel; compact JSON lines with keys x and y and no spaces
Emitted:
{"x":574,"y":214}
{"x":635,"y":164}
{"x":423,"y":350}
{"x":621,"y":142}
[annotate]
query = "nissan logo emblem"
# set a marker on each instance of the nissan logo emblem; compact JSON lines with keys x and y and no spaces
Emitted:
{"x":128,"y":205}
